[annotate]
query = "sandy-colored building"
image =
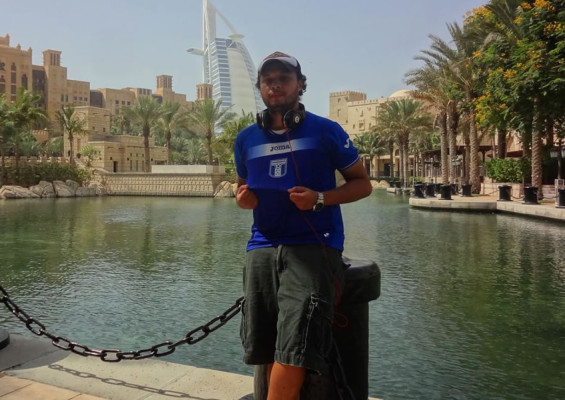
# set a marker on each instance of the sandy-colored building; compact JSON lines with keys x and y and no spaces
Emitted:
{"x":355,"y":113}
{"x":96,"y":106}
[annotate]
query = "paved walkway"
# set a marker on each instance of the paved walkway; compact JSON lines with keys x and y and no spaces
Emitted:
{"x":31,"y":368}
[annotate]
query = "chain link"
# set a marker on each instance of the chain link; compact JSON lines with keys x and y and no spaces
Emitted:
{"x":113,"y":355}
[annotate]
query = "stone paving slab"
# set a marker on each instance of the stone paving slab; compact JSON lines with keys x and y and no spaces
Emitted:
{"x":22,"y":389}
{"x":36,"y":360}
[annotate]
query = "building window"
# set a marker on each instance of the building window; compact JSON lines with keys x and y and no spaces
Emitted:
{"x":2,"y":84}
{"x":24,"y":81}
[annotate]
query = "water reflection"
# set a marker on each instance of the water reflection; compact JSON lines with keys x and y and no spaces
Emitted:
{"x":472,"y":305}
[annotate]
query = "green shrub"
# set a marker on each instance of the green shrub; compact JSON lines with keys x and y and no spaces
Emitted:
{"x":29,"y":175}
{"x":507,"y":169}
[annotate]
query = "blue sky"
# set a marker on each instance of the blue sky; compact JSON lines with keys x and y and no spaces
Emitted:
{"x":361,"y":45}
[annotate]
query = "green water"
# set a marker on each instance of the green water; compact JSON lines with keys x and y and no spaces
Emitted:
{"x":472,"y":305}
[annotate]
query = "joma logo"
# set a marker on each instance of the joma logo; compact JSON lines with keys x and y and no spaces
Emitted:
{"x":279,"y":147}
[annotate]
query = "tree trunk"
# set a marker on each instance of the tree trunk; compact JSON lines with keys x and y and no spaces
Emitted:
{"x":168,"y":138}
{"x":444,"y":148}
{"x":2,"y":163}
{"x":474,"y":155}
{"x":71,"y":155}
{"x":391,"y":152}
{"x":146,"y":131}
{"x":537,"y":148}
{"x":406,"y":161}
{"x":452,"y":124}
{"x":501,"y":140}
{"x":466,"y":159}
{"x":209,"y":147}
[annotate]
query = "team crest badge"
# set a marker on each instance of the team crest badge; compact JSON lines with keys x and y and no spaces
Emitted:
{"x":277,"y":168}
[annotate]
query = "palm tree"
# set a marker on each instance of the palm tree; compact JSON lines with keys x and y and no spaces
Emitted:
{"x":401,"y":118}
{"x":147,"y":111}
{"x":432,"y":86}
{"x":24,"y":115}
{"x":207,"y":114}
{"x":460,"y":79}
{"x":370,"y":144}
{"x":72,"y":125}
{"x":3,"y":128}
{"x":225,"y":142}
{"x":172,"y":118}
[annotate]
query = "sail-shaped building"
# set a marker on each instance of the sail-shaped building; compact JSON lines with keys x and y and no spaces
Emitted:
{"x":227,"y":65}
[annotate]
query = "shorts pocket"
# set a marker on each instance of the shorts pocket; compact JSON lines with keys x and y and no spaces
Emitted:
{"x":317,"y":335}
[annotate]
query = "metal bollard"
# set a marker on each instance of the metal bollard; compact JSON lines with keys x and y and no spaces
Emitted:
{"x":4,"y":338}
{"x":466,"y":190}
{"x":419,"y":191}
{"x":561,"y":198}
{"x":504,"y":192}
{"x":445,"y":191}
{"x":531,"y":195}
{"x":362,"y":283}
{"x":430,"y":190}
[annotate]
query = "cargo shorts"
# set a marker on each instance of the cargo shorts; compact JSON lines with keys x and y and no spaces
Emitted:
{"x":287,"y":312}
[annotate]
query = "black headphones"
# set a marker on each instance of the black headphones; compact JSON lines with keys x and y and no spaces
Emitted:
{"x":291,"y":119}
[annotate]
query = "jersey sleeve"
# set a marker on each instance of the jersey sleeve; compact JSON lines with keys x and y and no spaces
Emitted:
{"x":344,"y":152}
{"x":240,"y":167}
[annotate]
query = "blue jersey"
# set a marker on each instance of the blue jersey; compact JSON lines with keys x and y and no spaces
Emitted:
{"x":272,"y":163}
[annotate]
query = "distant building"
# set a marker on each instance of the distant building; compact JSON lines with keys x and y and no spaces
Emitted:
{"x":355,"y":113}
{"x":120,"y":153}
{"x":227,"y":65}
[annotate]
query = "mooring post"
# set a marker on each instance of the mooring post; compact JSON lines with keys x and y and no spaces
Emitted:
{"x":362,"y":284}
{"x":4,"y":338}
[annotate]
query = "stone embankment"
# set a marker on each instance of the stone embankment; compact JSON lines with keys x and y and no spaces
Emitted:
{"x":53,"y":189}
{"x":71,"y":188}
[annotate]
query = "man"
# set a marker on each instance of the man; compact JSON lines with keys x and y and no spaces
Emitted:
{"x":286,"y":167}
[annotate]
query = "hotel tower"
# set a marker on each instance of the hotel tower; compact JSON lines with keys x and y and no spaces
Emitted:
{"x":227,"y":65}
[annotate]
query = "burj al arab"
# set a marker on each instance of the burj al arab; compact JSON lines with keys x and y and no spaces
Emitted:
{"x":227,"y":65}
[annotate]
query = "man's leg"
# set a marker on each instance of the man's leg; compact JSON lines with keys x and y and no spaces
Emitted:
{"x":285,"y":382}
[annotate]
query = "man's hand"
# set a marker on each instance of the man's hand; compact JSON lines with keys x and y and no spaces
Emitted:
{"x":245,"y":198}
{"x":303,"y":198}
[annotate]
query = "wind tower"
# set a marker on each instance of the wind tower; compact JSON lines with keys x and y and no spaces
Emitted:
{"x":227,"y":65}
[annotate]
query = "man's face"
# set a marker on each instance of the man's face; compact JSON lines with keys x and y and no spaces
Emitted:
{"x":280,"y":89}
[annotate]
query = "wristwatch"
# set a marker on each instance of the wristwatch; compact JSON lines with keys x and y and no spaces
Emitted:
{"x":319,"y":203}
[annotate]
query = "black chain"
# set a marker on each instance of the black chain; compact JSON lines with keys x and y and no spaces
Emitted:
{"x":112,"y":355}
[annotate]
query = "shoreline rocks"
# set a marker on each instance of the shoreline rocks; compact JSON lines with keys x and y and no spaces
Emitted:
{"x":45,"y":189}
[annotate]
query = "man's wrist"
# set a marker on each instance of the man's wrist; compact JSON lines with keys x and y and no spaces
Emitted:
{"x":319,"y":204}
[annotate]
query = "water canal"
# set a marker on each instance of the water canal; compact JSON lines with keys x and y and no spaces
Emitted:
{"x":472,"y":305}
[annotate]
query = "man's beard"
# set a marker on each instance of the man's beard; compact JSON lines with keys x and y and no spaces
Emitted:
{"x":284,"y":107}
